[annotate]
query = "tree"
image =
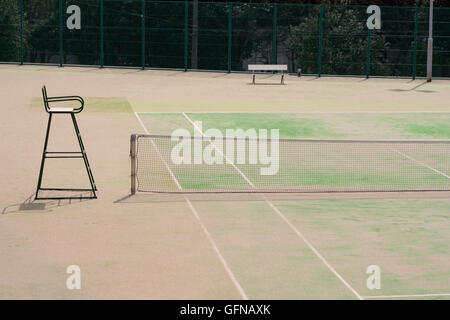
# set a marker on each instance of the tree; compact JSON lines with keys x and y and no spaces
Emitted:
{"x":9,"y":31}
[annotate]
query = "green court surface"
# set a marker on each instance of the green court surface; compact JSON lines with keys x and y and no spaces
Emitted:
{"x":303,"y":165}
{"x":284,"y":247}
{"x":417,"y":125}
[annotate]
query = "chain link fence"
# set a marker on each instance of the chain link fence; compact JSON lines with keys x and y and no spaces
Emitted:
{"x":319,"y":39}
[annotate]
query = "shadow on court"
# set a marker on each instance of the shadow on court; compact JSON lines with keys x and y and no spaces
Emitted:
{"x":262,"y":197}
{"x":29,"y":204}
{"x":414,"y":89}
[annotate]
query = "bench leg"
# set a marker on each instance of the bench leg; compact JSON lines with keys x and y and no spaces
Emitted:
{"x":253,"y":79}
{"x":282,"y":78}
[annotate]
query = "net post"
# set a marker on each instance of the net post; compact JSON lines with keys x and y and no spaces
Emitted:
{"x":230,"y":29}
{"x":369,"y":37}
{"x":102,"y":52}
{"x":61,"y":52}
{"x":21,"y":31}
{"x":274,"y":40}
{"x":319,"y":58}
{"x":133,"y":162}
{"x":143,"y":36}
{"x":416,"y":25}
{"x":186,"y":14}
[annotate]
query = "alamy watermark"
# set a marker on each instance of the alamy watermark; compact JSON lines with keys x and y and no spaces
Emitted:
{"x":236,"y":147}
{"x":374,"y":280}
{"x":74,"y":280}
{"x":73,"y":22}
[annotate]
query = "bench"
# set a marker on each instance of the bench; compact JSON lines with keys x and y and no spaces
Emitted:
{"x":268,"y":67}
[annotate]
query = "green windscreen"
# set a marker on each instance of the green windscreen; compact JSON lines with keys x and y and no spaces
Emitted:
{"x":212,"y":36}
{"x":164,"y":34}
{"x":252,"y":35}
{"x":122,"y":33}
{"x":41,"y":31}
{"x":82,"y":46}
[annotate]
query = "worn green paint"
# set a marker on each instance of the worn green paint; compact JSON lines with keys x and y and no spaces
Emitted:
{"x":110,"y":105}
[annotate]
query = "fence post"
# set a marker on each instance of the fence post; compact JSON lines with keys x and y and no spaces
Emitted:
{"x":143,"y":36}
{"x":319,"y":61}
{"x":21,"y":31}
{"x":61,"y":51}
{"x":230,"y":28}
{"x":133,"y":147}
{"x":415,"y":44}
{"x":102,"y":52}
{"x":274,"y":44}
{"x":186,"y":14}
{"x":194,"y":36}
{"x":369,"y":33}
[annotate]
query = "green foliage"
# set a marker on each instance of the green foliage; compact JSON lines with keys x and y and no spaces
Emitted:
{"x":252,"y":33}
{"x":40,"y":30}
{"x":344,"y":41}
{"x":165,"y":34}
{"x":344,"y":47}
{"x":302,"y":39}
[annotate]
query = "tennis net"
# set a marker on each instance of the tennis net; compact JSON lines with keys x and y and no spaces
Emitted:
{"x":193,"y":164}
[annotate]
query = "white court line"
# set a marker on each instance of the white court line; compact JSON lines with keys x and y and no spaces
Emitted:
{"x":296,"y":231}
{"x":423,"y":164}
{"x":313,"y":249}
{"x":290,"y":112}
{"x":159,"y":154}
{"x":410,"y":296}
{"x":202,"y":225}
{"x":221,"y":153}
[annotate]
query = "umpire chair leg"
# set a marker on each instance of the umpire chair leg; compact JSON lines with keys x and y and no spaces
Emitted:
{"x":81,"y":154}
{"x":86,"y":161}
{"x":43,"y":156}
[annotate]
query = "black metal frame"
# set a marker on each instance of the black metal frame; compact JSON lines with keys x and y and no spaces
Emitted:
{"x":64,"y":155}
{"x":282,"y":77}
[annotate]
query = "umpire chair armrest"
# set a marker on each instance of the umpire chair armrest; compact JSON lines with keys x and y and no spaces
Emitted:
{"x":69,"y":98}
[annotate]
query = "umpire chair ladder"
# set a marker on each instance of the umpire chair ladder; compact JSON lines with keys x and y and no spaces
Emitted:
{"x":64,"y":155}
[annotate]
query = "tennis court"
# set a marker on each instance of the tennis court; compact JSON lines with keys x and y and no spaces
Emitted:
{"x":363,"y":221}
{"x":293,"y":245}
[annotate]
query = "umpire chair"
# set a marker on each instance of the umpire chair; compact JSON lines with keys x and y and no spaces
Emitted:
{"x":51,"y":110}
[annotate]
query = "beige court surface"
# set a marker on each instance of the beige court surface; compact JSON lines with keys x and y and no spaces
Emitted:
{"x":195,"y":247}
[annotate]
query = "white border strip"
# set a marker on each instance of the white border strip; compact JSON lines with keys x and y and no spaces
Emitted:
{"x":202,"y":225}
{"x":296,"y":231}
{"x":410,"y":296}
